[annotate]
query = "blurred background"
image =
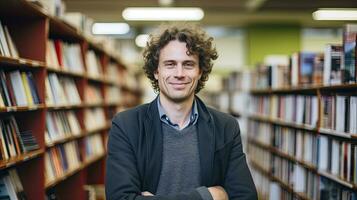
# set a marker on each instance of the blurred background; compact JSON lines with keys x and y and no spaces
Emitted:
{"x":286,"y":70}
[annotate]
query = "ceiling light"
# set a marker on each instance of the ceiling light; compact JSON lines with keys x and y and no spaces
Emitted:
{"x":141,"y":40}
{"x":110,"y":28}
{"x":163,"y":14}
{"x":335,"y":14}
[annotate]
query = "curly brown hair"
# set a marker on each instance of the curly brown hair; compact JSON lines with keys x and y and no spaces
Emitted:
{"x":197,"y":43}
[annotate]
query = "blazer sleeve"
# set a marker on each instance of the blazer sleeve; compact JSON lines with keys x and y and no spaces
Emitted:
{"x":238,"y":181}
{"x":122,"y":177}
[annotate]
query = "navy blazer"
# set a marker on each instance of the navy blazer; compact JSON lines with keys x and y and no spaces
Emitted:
{"x":135,"y":155}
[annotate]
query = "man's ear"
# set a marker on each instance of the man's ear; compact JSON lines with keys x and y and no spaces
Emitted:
{"x":156,"y":74}
{"x":201,"y":72}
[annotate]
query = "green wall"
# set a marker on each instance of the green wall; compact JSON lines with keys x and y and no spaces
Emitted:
{"x":266,"y":39}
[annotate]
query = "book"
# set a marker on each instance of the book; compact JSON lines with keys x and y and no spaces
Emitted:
{"x":318,"y":71}
{"x":94,"y":67}
{"x":11,"y":45}
{"x":70,"y":90}
{"x":3,"y":42}
{"x":18,"y":88}
{"x":93,"y":146}
{"x":29,"y":97}
{"x":349,"y":50}
{"x":33,"y":88}
{"x":332,"y":64}
{"x":94,"y":118}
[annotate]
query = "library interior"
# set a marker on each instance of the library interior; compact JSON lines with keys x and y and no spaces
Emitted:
{"x":286,"y":72}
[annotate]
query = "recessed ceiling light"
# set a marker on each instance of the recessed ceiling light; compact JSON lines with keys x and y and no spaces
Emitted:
{"x":163,"y":14}
{"x":110,"y":28}
{"x":335,"y":14}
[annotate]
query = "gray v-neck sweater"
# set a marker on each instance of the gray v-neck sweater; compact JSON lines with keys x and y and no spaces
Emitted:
{"x":181,"y":164}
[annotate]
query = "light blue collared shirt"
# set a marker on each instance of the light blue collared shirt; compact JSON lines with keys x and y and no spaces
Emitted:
{"x":164,"y":118}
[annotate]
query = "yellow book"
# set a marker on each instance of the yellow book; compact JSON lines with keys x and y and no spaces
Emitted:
{"x":27,"y":88}
{"x":2,"y":104}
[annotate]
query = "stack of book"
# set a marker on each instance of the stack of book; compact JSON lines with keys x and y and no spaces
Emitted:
{"x":13,"y":141}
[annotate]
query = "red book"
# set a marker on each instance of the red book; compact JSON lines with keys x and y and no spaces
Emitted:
{"x":58,"y":47}
{"x":10,"y":89}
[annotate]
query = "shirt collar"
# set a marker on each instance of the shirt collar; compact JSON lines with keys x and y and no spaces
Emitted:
{"x":164,"y":118}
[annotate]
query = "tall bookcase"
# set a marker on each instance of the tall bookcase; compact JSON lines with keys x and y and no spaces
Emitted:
{"x":299,"y":158}
{"x":31,"y":29}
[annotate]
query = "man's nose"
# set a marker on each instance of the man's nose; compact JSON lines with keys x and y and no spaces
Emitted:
{"x":179,"y":71}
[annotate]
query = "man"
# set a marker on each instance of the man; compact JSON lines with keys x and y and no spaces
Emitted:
{"x":176,"y":148}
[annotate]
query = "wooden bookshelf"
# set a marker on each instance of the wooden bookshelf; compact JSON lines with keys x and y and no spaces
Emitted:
{"x":20,"y":62}
{"x":19,"y":159}
{"x":73,"y":171}
{"x":282,"y":122}
{"x":66,"y":72}
{"x":279,"y":181}
{"x":284,"y":155}
{"x":276,"y":129}
{"x":303,"y":90}
{"x":31,"y":28}
{"x":21,"y":108}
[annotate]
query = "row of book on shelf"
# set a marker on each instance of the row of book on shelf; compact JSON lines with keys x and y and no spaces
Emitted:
{"x":18,"y":88}
{"x":337,"y":65}
{"x":328,"y":155}
{"x":64,"y":158}
{"x":337,"y":112}
{"x":11,"y":186}
{"x":14,"y":141}
{"x":64,"y":56}
{"x":62,"y":90}
{"x":68,"y":57}
{"x":291,"y":179}
{"x":60,"y":125}
{"x":64,"y":124}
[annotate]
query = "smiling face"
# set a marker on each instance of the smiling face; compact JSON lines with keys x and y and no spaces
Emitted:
{"x":178,"y":73}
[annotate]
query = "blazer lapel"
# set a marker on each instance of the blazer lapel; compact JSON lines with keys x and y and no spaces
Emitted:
{"x":154,"y":146}
{"x":206,"y":143}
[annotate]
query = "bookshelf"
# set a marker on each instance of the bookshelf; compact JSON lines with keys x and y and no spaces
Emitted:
{"x":67,"y":80}
{"x":301,"y":133}
{"x":272,"y":142}
{"x":300,"y":128}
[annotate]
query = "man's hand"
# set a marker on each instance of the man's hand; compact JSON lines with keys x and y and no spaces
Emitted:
{"x":218,"y":193}
{"x":146,"y":193}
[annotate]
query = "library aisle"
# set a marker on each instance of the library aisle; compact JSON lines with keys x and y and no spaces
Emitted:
{"x":288,"y":78}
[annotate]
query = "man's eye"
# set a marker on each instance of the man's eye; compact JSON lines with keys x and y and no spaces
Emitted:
{"x":169,"y":65}
{"x":189,"y":65}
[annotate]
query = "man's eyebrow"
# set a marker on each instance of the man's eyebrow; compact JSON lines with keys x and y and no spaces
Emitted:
{"x":189,"y":62}
{"x":166,"y":61}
